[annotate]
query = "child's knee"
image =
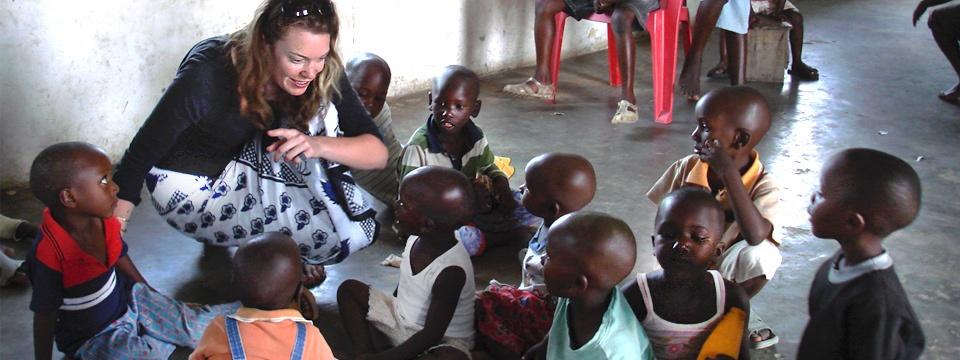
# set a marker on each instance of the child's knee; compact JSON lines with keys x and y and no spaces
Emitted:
{"x":353,"y":290}
{"x":622,"y":20}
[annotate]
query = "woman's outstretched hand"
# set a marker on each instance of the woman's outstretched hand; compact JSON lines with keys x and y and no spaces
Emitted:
{"x":294,"y":145}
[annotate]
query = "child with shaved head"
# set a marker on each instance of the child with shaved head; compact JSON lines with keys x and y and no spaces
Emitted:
{"x":271,"y":323}
{"x":858,"y":308}
{"x":588,"y":254}
{"x":370,"y":75}
{"x":87,"y":293}
{"x":430,"y":314}
{"x":450,"y":138}
{"x":512,"y":319}
{"x":680,"y":305}
{"x":731,"y":121}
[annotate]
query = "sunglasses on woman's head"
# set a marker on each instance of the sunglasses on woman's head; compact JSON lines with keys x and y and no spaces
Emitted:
{"x":300,"y":8}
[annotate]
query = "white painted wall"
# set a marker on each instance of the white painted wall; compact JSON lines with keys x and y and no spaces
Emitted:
{"x":92,"y":71}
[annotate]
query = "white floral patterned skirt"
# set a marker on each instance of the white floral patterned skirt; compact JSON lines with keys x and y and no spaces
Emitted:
{"x":317,"y":203}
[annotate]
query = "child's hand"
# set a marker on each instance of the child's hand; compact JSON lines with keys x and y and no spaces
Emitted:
{"x":483,"y":189}
{"x":714,"y":155}
{"x":504,"y":196}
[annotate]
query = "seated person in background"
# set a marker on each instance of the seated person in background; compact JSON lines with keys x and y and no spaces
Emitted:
{"x":733,"y":17}
{"x":512,"y":319}
{"x":430,"y":314}
{"x":681,"y":304}
{"x":87,"y":293}
{"x":945,"y":25}
{"x":858,"y":309}
{"x":451,"y":139}
{"x":731,"y":122}
{"x":773,"y":12}
{"x":271,"y":324}
{"x":369,"y":75}
{"x":625,"y":14}
{"x":588,"y":254}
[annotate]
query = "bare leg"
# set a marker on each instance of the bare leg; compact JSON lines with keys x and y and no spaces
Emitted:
{"x":720,"y":70}
{"x":947,"y":41}
{"x":737,"y":52}
{"x":753,"y":287}
{"x":623,"y":19}
{"x":797,"y":67}
{"x":707,"y":16}
{"x":543,"y":29}
{"x":353,"y":300}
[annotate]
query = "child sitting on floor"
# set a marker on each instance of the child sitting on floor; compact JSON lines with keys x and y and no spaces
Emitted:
{"x":681,"y":304}
{"x":87,"y":293}
{"x":277,"y":310}
{"x":369,"y":75}
{"x":451,"y":139}
{"x":731,"y":122}
{"x":430,"y":314}
{"x":587,"y":256}
{"x":858,"y":309}
{"x":512,"y":319}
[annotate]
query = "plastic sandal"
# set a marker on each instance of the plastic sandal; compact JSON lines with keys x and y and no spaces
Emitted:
{"x":526,"y":89}
{"x":626,"y":113}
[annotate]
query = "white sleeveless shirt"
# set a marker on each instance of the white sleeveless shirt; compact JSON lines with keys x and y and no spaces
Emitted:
{"x":679,"y":341}
{"x":413,"y":294}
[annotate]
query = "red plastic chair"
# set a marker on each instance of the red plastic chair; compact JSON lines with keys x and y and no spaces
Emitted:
{"x":664,"y":25}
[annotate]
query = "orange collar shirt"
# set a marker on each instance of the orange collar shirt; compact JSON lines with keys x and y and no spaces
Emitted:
{"x":265,"y":335}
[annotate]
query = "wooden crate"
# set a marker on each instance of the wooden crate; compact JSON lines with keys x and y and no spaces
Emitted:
{"x":768,"y":52}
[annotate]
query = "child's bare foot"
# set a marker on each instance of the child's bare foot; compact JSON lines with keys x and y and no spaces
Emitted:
{"x":718,"y":72}
{"x":951,"y":95}
{"x":804,"y":72}
{"x":690,"y":79}
{"x":313,"y":275}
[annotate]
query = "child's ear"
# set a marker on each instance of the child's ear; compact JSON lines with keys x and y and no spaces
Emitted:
{"x":430,"y":100}
{"x":856,"y":222}
{"x":476,"y":109}
{"x":580,"y":284}
{"x":67,"y":199}
{"x":741,"y":138}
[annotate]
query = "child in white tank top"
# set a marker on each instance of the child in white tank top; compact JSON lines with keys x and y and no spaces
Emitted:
{"x":680,"y":305}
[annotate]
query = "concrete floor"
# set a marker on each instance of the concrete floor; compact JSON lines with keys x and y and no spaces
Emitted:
{"x":865,"y":98}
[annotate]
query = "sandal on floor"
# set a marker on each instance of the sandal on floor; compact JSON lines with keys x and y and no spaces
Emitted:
{"x":626,"y":113}
{"x":526,"y":88}
{"x":718,"y":72}
{"x":763,"y":344}
{"x":805,"y":73}
{"x":756,"y":325}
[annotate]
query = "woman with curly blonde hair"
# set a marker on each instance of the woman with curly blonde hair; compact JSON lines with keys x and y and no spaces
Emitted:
{"x":258,"y":132}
